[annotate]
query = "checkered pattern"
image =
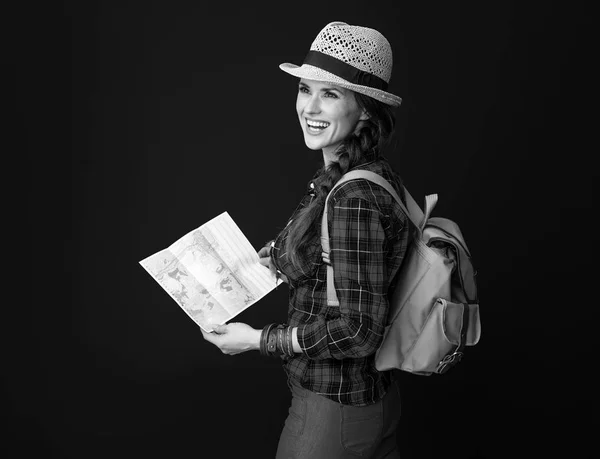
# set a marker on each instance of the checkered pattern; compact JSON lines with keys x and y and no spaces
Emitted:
{"x":368,"y":238}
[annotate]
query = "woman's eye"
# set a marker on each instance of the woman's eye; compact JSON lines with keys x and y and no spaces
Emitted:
{"x":303,"y":89}
{"x":331,"y":94}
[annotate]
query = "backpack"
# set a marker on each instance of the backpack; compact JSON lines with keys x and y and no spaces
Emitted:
{"x":434,"y":308}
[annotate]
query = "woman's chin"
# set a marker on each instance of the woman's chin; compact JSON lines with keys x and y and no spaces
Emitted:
{"x":311,"y":144}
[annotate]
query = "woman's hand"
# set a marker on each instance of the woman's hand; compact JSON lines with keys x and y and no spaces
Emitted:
{"x":234,"y":338}
{"x":264,"y":257}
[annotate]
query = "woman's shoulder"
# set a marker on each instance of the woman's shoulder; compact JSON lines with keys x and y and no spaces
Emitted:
{"x":367,"y":190}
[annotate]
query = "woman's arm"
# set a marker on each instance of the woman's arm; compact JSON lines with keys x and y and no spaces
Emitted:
{"x":358,"y":257}
{"x":237,"y":337}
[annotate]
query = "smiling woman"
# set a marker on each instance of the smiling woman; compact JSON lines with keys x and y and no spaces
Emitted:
{"x":328,"y":114}
{"x":341,"y":405}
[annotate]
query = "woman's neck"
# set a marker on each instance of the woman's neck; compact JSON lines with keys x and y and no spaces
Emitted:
{"x":329,"y":156}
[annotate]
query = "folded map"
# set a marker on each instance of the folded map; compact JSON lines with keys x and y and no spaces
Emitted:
{"x":213,"y":272}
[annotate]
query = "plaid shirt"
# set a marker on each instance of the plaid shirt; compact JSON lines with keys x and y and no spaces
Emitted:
{"x":368,"y":240}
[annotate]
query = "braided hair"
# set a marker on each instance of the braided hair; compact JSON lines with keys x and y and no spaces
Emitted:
{"x":373,"y":136}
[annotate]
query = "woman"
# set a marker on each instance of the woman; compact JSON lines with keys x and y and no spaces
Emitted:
{"x":341,"y":405}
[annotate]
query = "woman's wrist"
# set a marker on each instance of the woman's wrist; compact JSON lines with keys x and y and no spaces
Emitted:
{"x":255,"y":342}
{"x":278,"y":340}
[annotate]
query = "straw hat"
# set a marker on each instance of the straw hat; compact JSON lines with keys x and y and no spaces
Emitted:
{"x":353,"y":57}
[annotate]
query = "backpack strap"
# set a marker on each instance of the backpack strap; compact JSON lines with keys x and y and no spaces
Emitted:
{"x":413,"y":212}
{"x":453,"y":357}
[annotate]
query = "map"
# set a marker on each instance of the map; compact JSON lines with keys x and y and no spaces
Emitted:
{"x":213,"y":272}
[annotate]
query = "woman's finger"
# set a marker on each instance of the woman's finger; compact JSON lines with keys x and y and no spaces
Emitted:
{"x":210,"y":337}
{"x":266,"y":261}
{"x":264,"y":252}
{"x":219,"y":329}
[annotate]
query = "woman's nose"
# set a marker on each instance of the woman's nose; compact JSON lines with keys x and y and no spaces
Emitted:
{"x":313,"y":105}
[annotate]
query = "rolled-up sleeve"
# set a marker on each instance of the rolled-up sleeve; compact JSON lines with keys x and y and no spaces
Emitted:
{"x":357,"y":254}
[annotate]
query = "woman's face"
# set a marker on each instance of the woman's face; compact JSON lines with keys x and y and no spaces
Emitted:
{"x":327,"y":114}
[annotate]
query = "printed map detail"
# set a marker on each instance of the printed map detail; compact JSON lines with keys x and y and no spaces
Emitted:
{"x":213,"y":272}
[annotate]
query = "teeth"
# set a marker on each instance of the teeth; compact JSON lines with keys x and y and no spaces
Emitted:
{"x":317,"y":124}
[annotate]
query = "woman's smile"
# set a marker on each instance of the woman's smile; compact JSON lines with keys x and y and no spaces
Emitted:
{"x":316,"y":127}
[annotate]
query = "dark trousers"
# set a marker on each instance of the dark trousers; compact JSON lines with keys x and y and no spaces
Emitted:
{"x":319,"y":428}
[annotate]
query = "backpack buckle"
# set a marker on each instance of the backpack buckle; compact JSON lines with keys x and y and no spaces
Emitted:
{"x":449,"y":361}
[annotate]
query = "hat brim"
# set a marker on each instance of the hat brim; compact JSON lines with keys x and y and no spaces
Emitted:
{"x":311,"y":72}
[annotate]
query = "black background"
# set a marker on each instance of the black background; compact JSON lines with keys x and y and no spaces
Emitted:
{"x":174,"y":112}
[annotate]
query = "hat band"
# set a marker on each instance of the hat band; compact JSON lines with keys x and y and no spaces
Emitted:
{"x":344,"y":70}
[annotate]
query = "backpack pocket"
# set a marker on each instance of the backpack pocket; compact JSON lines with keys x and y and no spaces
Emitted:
{"x":440,"y":335}
{"x":453,"y":322}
